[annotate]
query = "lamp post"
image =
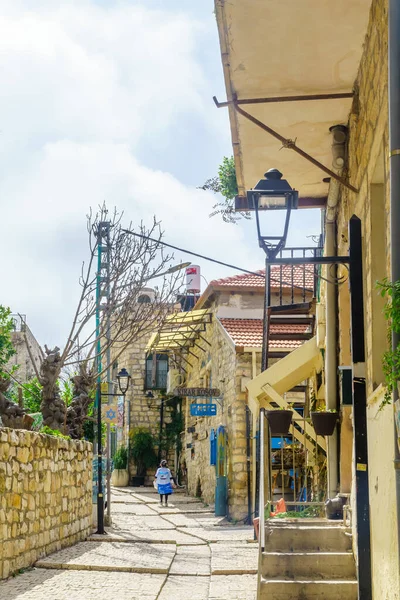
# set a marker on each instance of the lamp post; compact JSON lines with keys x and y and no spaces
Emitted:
{"x":271,"y":193}
{"x":102,"y":289}
{"x":124,"y":380}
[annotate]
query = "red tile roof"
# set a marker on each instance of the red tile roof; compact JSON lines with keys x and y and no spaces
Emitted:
{"x":249,"y":332}
{"x":296,"y":275}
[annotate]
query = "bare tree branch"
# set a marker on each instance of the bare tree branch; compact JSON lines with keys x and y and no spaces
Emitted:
{"x":124,"y":319}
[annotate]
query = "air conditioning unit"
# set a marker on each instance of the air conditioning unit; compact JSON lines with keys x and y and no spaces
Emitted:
{"x":174,"y":380}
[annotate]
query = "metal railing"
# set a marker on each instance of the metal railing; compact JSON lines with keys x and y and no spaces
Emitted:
{"x":302,"y":280}
{"x":19,"y":322}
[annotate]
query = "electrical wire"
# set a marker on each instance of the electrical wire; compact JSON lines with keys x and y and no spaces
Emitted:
{"x":214,"y":260}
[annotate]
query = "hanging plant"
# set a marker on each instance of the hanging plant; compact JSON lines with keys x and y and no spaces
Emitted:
{"x":324,"y":421}
{"x":391,"y":358}
{"x":279,"y":421}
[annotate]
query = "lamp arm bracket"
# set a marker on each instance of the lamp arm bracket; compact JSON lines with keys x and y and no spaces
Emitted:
{"x":283,"y":99}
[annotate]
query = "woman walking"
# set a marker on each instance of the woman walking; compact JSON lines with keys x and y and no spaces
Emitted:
{"x":163,"y":480}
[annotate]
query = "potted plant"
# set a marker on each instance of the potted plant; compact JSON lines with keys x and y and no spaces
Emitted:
{"x":143,"y":453}
{"x":391,"y":358}
{"x":324,"y":421}
{"x":120,"y":475}
{"x":279,"y":421}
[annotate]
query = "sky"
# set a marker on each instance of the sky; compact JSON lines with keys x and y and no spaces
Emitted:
{"x":110,"y":100}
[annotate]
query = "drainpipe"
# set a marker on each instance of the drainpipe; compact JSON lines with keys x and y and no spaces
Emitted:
{"x":394,"y":154}
{"x":331,"y":335}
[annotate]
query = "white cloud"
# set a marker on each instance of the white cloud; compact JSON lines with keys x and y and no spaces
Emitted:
{"x":48,"y":212}
{"x":85,"y":88}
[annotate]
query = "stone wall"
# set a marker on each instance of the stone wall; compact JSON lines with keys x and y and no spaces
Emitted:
{"x":143,"y":411}
{"x":26,"y":370}
{"x":369,"y":172}
{"x":221,"y":367}
{"x":45,"y":496}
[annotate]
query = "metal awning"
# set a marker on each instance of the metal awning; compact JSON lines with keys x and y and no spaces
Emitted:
{"x":180,"y":331}
{"x":289,"y":48}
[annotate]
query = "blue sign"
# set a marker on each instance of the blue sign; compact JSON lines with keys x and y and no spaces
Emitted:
{"x":203,"y":410}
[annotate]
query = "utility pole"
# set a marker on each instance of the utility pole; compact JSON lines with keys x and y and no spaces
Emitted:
{"x":102,"y":291}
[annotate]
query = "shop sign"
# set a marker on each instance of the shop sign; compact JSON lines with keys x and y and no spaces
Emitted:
{"x":197,"y":392}
{"x":109,"y":413}
{"x":203,"y":410}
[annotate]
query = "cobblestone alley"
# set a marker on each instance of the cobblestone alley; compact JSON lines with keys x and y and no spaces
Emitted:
{"x":182,"y":552}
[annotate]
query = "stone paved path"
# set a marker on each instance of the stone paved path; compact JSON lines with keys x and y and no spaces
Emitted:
{"x":150,"y":553}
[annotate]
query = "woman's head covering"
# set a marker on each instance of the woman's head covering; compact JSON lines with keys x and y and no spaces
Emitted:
{"x":163,"y":463}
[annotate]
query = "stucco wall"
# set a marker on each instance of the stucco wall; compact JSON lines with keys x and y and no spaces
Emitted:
{"x":45,"y":496}
{"x":384,"y":543}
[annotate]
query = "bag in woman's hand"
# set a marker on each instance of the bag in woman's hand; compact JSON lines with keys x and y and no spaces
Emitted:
{"x":155,"y":486}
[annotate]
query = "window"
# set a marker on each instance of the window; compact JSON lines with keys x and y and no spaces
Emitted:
{"x":156,"y":373}
{"x":144,"y":299}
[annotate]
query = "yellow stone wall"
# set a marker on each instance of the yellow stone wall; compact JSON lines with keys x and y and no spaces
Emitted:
{"x":221,"y":367}
{"x":143,"y":413}
{"x":368,"y":171}
{"x":45,"y":496}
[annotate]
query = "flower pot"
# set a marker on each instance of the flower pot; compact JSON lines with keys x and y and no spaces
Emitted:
{"x":279,"y":421}
{"x":324,"y":422}
{"x":120,"y":477}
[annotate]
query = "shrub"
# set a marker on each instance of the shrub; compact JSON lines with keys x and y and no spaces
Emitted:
{"x":121,"y":458}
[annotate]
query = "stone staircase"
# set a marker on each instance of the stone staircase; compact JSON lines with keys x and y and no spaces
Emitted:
{"x":307,"y":559}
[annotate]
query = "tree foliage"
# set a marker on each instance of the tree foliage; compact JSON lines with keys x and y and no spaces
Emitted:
{"x":133,"y":262}
{"x":391,"y":358}
{"x":142,"y":449}
{"x":225,"y":183}
{"x":7,"y":350}
{"x":120,"y":459}
{"x":31,"y":395}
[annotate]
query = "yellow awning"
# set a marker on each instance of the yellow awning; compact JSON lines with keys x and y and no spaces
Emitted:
{"x":180,"y":331}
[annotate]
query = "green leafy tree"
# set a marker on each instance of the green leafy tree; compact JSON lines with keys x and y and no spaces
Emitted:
{"x":121,"y":458}
{"x":225,"y":183}
{"x":11,"y":414}
{"x":142,"y":450}
{"x":31,"y":395}
{"x":391,"y":358}
{"x":7,"y":350}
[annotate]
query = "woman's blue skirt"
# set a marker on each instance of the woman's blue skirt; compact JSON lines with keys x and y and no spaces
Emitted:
{"x":165,"y":488}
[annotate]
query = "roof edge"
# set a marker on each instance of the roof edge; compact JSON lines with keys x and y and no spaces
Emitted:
{"x":234,"y":125}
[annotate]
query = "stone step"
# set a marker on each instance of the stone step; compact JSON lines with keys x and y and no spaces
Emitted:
{"x":293,"y":538}
{"x":304,"y":523}
{"x":308,"y":565}
{"x":308,"y":590}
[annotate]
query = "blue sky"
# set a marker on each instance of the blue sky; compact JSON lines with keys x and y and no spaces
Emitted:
{"x":109,"y":100}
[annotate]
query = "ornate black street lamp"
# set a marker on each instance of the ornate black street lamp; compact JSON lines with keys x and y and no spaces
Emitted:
{"x":123,"y":379}
{"x":272,"y":193}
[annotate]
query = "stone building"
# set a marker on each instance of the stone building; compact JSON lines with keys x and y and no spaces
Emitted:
{"x":20,"y":337}
{"x":224,"y":352}
{"x":326,"y":90}
{"x":146,"y":405}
